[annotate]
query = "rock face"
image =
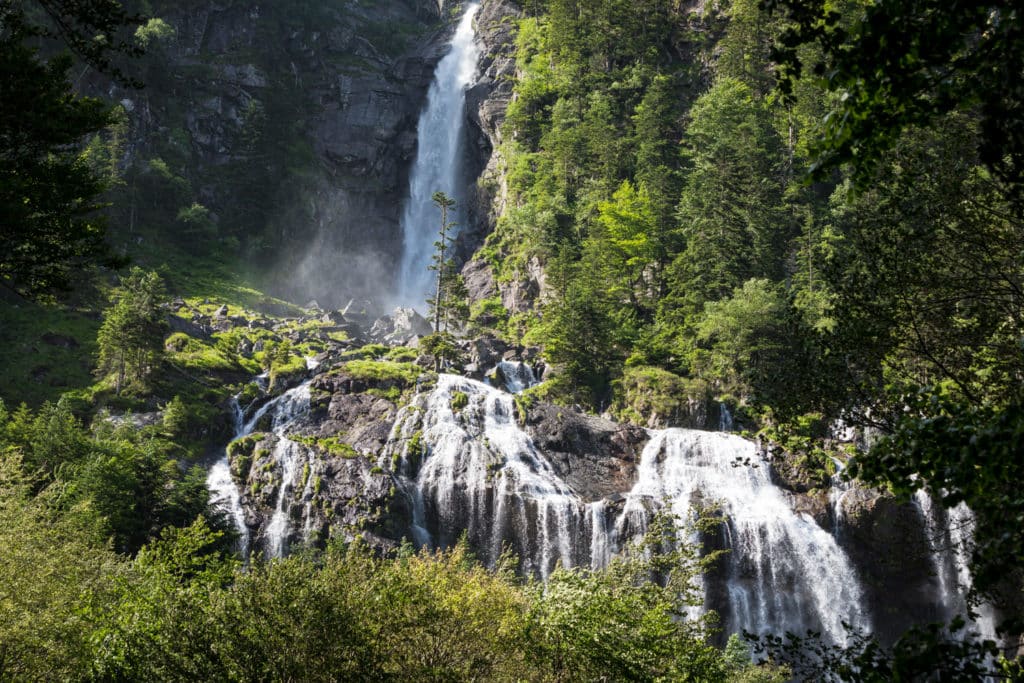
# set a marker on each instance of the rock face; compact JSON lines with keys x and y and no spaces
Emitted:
{"x":401,"y":328}
{"x":486,"y":104}
{"x":294,"y":125}
{"x":888,"y":543}
{"x":596,"y":457}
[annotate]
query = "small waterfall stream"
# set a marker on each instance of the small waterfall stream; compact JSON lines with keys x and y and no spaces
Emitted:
{"x":283,"y":410}
{"x":476,"y":471}
{"x":439,"y":138}
{"x":290,"y":457}
{"x":950,"y":534}
{"x":224,"y":493}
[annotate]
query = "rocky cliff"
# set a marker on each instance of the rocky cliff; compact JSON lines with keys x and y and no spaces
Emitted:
{"x":292,"y":126}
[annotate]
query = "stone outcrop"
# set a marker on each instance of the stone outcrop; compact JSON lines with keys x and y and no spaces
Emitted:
{"x":887,"y":541}
{"x":597,"y":457}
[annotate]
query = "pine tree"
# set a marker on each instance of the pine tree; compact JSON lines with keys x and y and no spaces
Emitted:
{"x":132,"y":334}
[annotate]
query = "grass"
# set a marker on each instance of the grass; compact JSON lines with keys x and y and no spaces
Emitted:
{"x":384,"y":371}
{"x":45,"y":351}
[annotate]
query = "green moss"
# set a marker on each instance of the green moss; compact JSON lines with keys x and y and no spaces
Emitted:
{"x":367,"y":352}
{"x":384,"y":371}
{"x":283,"y":371}
{"x":402,"y":354}
{"x":415,"y":450}
{"x":331,"y":445}
{"x":241,"y":453}
{"x":459,"y":400}
{"x":393,"y":394}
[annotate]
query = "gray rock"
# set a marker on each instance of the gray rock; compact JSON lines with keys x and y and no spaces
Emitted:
{"x":189,"y":327}
{"x":400,"y":327}
{"x":597,"y":457}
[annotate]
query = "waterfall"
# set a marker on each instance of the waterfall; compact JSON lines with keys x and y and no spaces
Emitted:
{"x":784,"y":571}
{"x":482,"y":474}
{"x":224,"y":493}
{"x":950,"y":535}
{"x":515,"y":376}
{"x":466,"y":466}
{"x":725,"y":422}
{"x":439,"y":138}
{"x":289,"y":456}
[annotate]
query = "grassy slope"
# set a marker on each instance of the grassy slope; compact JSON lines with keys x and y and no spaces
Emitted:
{"x":49,"y":349}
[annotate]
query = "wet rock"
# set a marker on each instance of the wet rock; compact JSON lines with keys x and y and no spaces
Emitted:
{"x":597,"y":457}
{"x":887,"y":542}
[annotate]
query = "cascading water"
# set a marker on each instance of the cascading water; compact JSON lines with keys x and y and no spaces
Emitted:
{"x":439,"y":138}
{"x":224,"y":493}
{"x":950,"y":533}
{"x":516,"y":376}
{"x":284,"y":411}
{"x":472,"y":469}
{"x":290,"y":457}
{"x":482,"y":474}
{"x":784,"y":571}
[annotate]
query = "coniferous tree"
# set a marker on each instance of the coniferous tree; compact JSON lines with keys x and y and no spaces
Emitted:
{"x":48,"y":192}
{"x":131,"y":337}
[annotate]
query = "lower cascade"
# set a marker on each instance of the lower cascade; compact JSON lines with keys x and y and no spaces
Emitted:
{"x":468,"y":458}
{"x":467,"y":467}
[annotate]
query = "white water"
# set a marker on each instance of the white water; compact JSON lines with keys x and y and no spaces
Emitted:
{"x":725,"y":423}
{"x":290,"y":458}
{"x":950,"y":536}
{"x":224,"y":491}
{"x":516,"y":376}
{"x":439,"y":137}
{"x":480,"y":473}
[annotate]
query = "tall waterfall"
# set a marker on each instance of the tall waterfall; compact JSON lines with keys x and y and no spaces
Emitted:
{"x":472,"y":469}
{"x":439,"y":137}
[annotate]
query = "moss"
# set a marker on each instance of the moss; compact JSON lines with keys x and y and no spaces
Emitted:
{"x":415,"y":450}
{"x":393,"y":394}
{"x":376,"y":470}
{"x":459,"y":400}
{"x":367,"y":352}
{"x":402,"y":354}
{"x":405,"y":374}
{"x":332,"y":445}
{"x":317,"y":485}
{"x":282,"y":372}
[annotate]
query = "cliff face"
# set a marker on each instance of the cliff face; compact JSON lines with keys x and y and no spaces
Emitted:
{"x":295,"y":128}
{"x":293,"y":125}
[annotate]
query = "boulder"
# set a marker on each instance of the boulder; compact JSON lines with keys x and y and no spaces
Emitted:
{"x":400,"y":327}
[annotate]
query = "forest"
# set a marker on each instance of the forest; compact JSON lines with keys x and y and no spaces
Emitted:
{"x":807,"y":213}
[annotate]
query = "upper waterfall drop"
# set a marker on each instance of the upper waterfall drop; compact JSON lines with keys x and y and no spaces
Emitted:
{"x":439,"y":142}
